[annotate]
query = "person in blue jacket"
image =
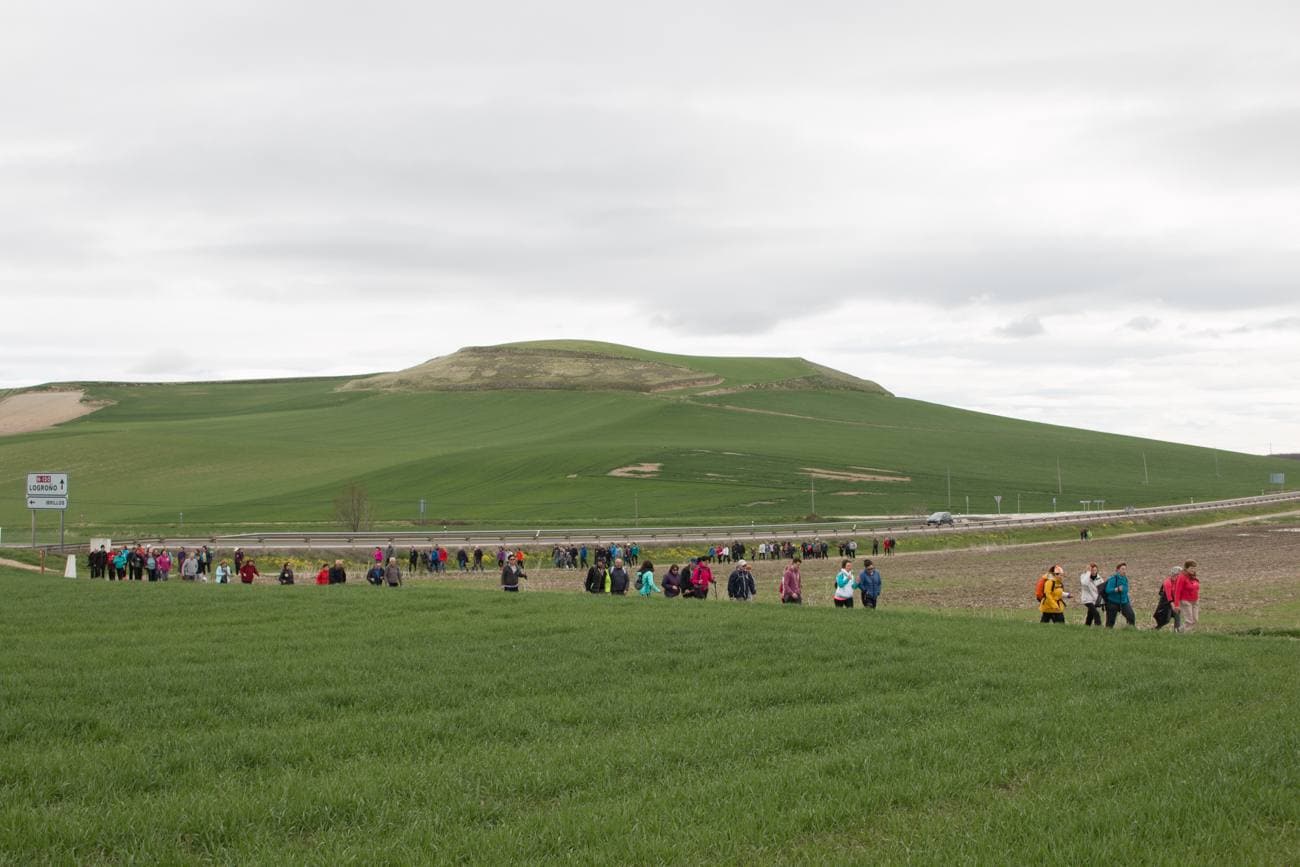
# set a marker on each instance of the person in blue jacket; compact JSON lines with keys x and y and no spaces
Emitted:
{"x":1115,"y":594}
{"x":869,"y":584}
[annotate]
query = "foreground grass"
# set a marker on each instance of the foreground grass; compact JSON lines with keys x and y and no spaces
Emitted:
{"x":180,"y":722}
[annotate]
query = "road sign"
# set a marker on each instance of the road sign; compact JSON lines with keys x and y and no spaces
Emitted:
{"x":1277,"y":478}
{"x":47,"y":484}
{"x":60,"y":503}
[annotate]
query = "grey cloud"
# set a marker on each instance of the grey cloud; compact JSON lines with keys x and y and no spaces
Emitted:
{"x":1223,"y":146}
{"x":1286,"y":323}
{"x":1029,"y":326}
{"x":169,"y":362}
{"x":1142,"y":323}
{"x":1084,"y":272}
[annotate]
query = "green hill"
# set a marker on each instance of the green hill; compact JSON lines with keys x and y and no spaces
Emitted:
{"x":750,"y":445}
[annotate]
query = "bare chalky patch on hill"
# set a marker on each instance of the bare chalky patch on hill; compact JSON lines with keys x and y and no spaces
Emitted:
{"x":481,"y":368}
{"x":636,"y":471}
{"x":38,"y":410}
{"x":846,"y":476}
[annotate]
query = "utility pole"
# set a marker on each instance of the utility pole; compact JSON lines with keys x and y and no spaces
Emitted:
{"x":1058,"y":475}
{"x":1017,"y":502}
{"x":968,"y":504}
{"x":997,"y":498}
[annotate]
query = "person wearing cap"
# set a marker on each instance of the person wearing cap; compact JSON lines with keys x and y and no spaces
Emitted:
{"x":1090,"y":595}
{"x":1115,"y":594}
{"x":511,"y":573}
{"x":740,"y":583}
{"x":869,"y":583}
{"x":1052,"y":608}
{"x":1187,"y":597}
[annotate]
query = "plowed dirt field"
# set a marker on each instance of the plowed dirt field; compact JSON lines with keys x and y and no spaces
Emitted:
{"x":1250,"y":573}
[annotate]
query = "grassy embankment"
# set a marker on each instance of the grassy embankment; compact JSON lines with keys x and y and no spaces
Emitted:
{"x":233,"y":456}
{"x":268,"y":725}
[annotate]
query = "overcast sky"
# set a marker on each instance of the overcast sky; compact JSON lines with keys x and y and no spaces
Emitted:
{"x":1086,"y":214}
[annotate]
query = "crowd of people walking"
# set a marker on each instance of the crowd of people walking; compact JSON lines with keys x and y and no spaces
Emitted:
{"x":618,"y":569}
{"x":1178,"y":600}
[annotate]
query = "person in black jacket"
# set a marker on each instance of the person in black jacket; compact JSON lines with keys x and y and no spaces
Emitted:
{"x":338,"y":575}
{"x":618,"y":578}
{"x":740,"y":584}
{"x":595,"y":581}
{"x":286,"y":574}
{"x":510,"y":575}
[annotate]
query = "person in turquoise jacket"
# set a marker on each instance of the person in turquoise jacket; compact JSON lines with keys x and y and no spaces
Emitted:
{"x":646,"y":580}
{"x":1115,"y":594}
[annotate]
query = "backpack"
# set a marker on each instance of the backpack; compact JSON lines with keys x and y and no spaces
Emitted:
{"x":640,"y":580}
{"x":1040,"y":589}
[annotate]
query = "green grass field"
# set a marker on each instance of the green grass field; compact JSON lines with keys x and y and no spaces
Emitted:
{"x":179,"y":723}
{"x":230,"y":456}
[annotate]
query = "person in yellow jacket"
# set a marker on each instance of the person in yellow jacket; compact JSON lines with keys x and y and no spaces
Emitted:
{"x":1053,"y":604}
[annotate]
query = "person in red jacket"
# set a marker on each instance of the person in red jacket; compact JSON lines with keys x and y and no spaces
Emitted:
{"x":248,"y":572}
{"x":1187,"y":597}
{"x":701,"y":578}
{"x":1165,"y":610}
{"x":323,"y":576}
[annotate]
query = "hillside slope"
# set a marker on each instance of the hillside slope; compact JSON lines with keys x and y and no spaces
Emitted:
{"x":763,"y":445}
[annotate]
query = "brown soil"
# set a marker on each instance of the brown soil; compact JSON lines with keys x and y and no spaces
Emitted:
{"x":1244,"y":570}
{"x":38,"y":410}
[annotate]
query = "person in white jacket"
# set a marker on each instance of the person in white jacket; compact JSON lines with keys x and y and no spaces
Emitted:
{"x":1090,"y":594}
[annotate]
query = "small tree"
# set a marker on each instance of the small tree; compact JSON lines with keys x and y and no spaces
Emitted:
{"x":352,"y":507}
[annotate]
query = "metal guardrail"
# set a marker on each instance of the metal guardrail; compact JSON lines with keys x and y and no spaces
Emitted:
{"x":894,"y":525}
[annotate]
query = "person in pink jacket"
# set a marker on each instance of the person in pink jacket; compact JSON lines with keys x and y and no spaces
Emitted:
{"x":792,"y":583}
{"x":1187,"y":597}
{"x":701,"y":578}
